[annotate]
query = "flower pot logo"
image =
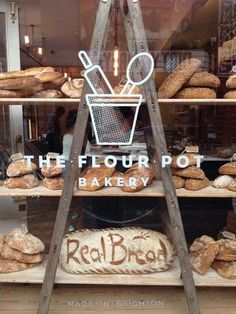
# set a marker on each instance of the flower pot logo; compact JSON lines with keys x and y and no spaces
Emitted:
{"x":108,"y":110}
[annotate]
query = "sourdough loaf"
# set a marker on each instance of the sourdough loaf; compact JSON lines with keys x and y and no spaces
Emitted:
{"x":20,"y":167}
{"x":10,"y":266}
{"x":51,"y":171}
{"x":116,"y":251}
{"x":178,"y":182}
{"x":18,"y":83}
{"x":222,"y":182}
{"x":229,"y":169}
{"x":225,"y":269}
{"x":191,"y":157}
{"x":73,"y":88}
{"x":227,"y":250}
{"x":190,"y":172}
{"x":196,"y":184}
{"x":27,"y":181}
{"x":54,"y":183}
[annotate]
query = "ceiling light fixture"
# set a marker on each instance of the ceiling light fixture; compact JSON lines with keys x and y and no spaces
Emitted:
{"x":116,"y":50}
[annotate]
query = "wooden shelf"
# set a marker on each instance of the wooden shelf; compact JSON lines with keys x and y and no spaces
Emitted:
{"x":53,"y":101}
{"x":168,"y":278}
{"x":154,"y":190}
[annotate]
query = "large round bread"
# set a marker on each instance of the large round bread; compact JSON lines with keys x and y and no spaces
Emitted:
{"x":231,"y":82}
{"x":52,"y":170}
{"x":232,"y":186}
{"x":229,"y":168}
{"x":175,"y":81}
{"x":20,"y":239}
{"x":191,"y":157}
{"x":231,"y":94}
{"x":190,"y":172}
{"x":202,"y":253}
{"x":222,"y":182}
{"x":19,"y":83}
{"x":196,"y":184}
{"x":204,"y":79}
{"x":227,"y":250}
{"x":196,"y":93}
{"x":10,"y":266}
{"x":55,"y":183}
{"x":225,"y":269}
{"x":20,"y":167}
{"x":73,"y":88}
{"x":116,"y":251}
{"x":27,"y":181}
{"x":178,"y":182}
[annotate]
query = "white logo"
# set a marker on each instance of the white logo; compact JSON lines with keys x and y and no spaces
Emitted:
{"x":107,"y":108}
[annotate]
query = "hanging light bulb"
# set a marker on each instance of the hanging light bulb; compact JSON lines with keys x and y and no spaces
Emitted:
{"x":116,"y":50}
{"x":116,"y":59}
{"x":40,"y":51}
{"x":26,"y":40}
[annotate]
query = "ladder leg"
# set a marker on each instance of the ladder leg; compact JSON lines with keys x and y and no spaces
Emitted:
{"x":76,"y":149}
{"x":160,"y":145}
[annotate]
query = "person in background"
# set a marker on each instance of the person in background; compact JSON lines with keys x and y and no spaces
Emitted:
{"x":68,"y":137}
{"x":54,"y":131}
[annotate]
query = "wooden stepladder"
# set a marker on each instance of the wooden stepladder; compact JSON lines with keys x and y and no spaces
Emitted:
{"x":137,"y":42}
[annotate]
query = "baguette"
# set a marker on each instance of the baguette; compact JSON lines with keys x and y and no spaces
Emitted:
{"x":19,"y":83}
{"x":44,"y":77}
{"x":25,"y":73}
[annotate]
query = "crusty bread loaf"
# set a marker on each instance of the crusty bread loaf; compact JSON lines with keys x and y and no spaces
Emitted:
{"x":231,"y":82}
{"x":204,"y":79}
{"x":6,"y":252}
{"x":229,"y":168}
{"x":202,"y":253}
{"x":27,"y":92}
{"x":10,"y":94}
{"x":222,"y":182}
{"x":190,"y":172}
{"x":231,"y":94}
{"x":190,"y":156}
{"x":44,"y":77}
{"x":20,"y":167}
{"x":20,"y":239}
{"x":73,"y":88}
{"x":27,"y":181}
{"x":196,"y":184}
{"x":178,"y":182}
{"x":55,"y":84}
{"x":55,"y":183}
{"x":232,"y":186}
{"x":175,"y":81}
{"x":227,"y":250}
{"x":116,"y":251}
{"x":10,"y":266}
{"x":50,"y":93}
{"x":225,"y":269}
{"x":196,"y":93}
{"x":115,"y":177}
{"x":25,"y":73}
{"x":18,"y":83}
{"x":95,"y":177}
{"x":138,"y":174}
{"x":52,"y":170}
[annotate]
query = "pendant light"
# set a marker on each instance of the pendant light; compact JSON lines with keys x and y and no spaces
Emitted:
{"x":116,"y":49}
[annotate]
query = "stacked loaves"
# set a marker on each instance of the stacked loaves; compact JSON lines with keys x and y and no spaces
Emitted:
{"x":185,"y":82}
{"x":53,"y":178}
{"x":39,"y":82}
{"x":20,"y":250}
{"x":227,"y":179}
{"x":21,"y":175}
{"x":191,"y":177}
{"x":231,"y":85}
{"x":205,"y":252}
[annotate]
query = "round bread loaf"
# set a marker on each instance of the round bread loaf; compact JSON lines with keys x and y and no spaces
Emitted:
{"x":127,"y":251}
{"x":11,"y":266}
{"x":73,"y":88}
{"x":50,"y":93}
{"x":232,"y":186}
{"x":202,"y":253}
{"x":230,"y":94}
{"x":55,"y":183}
{"x":231,"y":82}
{"x":190,"y":172}
{"x":196,"y":93}
{"x":225,"y":269}
{"x":204,"y":79}
{"x":27,"y":181}
{"x":191,"y":157}
{"x":18,"y":83}
{"x":229,"y":168}
{"x":196,"y":184}
{"x":20,"y":167}
{"x":222,"y":182}
{"x":175,"y":81}
{"x":178,"y":182}
{"x":52,"y":171}
{"x":227,"y":250}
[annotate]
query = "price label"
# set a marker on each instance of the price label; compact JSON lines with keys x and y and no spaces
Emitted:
{"x":52,"y":155}
{"x":192,"y":149}
{"x":17,"y":156}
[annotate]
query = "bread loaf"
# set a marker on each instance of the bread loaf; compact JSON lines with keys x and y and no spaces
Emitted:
{"x":190,"y":172}
{"x":196,"y":184}
{"x":191,"y":157}
{"x":231,"y":82}
{"x":181,"y":74}
{"x":222,"y":182}
{"x":21,"y":240}
{"x":20,"y":167}
{"x":115,"y":177}
{"x":73,"y":88}
{"x":27,"y":181}
{"x":204,"y":79}
{"x":178,"y":182}
{"x":55,"y":183}
{"x":19,"y":83}
{"x":10,"y":266}
{"x":52,"y":171}
{"x":119,"y":88}
{"x":226,"y":152}
{"x":48,"y":76}
{"x":24,"y":73}
{"x":229,"y":169}
{"x":116,"y":251}
{"x":225,"y":269}
{"x":227,"y":250}
{"x":232,"y":186}
{"x":231,"y":94}
{"x":55,"y":84}
{"x":202,"y":253}
{"x":138,"y":174}
{"x":6,"y":252}
{"x":196,"y":93}
{"x":50,"y":93}
{"x":95,"y":177}
{"x":27,"y":92}
{"x":10,"y":94}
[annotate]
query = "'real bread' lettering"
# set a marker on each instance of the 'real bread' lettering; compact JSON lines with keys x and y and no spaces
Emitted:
{"x":121,"y":251}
